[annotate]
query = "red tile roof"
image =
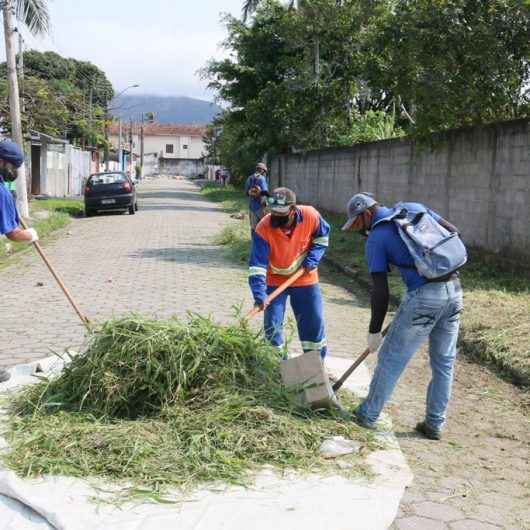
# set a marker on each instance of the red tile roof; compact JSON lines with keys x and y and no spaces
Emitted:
{"x":160,"y":129}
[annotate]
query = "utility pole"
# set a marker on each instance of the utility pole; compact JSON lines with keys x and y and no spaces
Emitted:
{"x":90,"y":112}
{"x":130,"y":148}
{"x":20,"y":55}
{"x":20,"y":70}
{"x":142,"y":148}
{"x":120,"y":151}
{"x":14,"y":104}
{"x":106,"y":151}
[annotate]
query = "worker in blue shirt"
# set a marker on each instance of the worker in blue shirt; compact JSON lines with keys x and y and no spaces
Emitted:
{"x":430,"y":310}
{"x":11,"y":158}
{"x":256,"y":188}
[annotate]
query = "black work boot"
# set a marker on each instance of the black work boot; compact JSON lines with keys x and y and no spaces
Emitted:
{"x":432,"y":433}
{"x":4,"y":375}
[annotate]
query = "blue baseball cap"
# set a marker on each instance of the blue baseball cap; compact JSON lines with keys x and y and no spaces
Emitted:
{"x":11,"y":152}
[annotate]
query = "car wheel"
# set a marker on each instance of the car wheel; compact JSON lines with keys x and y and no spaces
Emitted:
{"x":89,"y":213}
{"x":132,"y":210}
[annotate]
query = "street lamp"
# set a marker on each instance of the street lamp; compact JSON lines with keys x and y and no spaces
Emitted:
{"x":120,"y":153}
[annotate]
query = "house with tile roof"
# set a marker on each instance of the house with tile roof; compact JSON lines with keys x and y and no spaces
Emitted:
{"x":179,"y":148}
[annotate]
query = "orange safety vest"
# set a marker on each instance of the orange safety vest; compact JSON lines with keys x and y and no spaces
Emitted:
{"x":289,"y":250}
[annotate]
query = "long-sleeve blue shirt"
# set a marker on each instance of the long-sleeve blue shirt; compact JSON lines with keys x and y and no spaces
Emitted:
{"x":8,"y":212}
{"x":260,"y":181}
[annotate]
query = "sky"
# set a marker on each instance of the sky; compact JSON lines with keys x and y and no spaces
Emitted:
{"x":157,"y":44}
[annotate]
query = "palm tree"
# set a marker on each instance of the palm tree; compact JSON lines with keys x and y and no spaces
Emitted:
{"x":33,"y":14}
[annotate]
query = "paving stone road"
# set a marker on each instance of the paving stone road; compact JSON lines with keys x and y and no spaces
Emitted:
{"x":162,"y":261}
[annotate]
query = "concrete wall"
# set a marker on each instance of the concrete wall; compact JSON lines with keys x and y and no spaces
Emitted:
{"x":185,"y":168}
{"x":478,"y":178}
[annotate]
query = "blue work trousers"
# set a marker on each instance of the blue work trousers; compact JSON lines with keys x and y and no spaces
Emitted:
{"x":430,"y":312}
{"x":307,"y":308}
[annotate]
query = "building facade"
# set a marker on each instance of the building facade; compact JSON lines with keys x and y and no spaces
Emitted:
{"x":179,"y":148}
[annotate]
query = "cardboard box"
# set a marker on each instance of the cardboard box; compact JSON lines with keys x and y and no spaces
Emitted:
{"x":308,"y":373}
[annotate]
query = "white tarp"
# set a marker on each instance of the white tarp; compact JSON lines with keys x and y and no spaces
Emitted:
{"x":287,"y":502}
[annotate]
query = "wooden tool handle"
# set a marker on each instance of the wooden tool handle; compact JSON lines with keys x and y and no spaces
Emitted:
{"x":357,"y":362}
{"x":277,"y":292}
{"x":37,"y":246}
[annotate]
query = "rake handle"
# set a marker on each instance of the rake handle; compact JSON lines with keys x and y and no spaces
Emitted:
{"x":54,"y":273}
{"x":277,"y":292}
{"x":354,"y":366}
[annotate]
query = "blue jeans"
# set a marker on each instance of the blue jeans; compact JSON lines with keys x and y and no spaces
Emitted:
{"x":430,"y":312}
{"x":306,"y":302}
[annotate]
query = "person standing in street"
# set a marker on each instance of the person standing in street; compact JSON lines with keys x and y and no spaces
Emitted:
{"x":289,"y":237}
{"x":430,"y":310}
{"x":11,"y":158}
{"x":256,"y":188}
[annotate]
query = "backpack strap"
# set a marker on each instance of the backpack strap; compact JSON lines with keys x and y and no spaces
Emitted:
{"x":396,"y":214}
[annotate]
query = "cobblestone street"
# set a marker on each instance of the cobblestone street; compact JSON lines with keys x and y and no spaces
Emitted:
{"x":158,"y":262}
{"x":162,"y":261}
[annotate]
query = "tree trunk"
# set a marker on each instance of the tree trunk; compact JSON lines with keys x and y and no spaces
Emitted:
{"x":14,"y":105}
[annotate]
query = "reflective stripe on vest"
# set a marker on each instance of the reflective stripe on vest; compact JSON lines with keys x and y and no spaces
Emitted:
{"x":295,"y":265}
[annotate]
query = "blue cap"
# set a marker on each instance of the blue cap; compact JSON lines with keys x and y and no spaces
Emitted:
{"x":11,"y":152}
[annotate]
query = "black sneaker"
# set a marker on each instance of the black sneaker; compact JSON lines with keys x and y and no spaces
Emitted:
{"x":4,"y":375}
{"x":429,"y":432}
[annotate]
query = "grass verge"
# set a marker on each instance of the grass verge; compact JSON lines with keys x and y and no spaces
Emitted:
{"x":59,"y":213}
{"x":496,"y":317}
{"x":171,"y":403}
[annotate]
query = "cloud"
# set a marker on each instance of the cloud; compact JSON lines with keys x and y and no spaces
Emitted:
{"x":160,"y":46}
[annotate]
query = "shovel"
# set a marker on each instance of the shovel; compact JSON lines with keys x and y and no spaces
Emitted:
{"x":352,"y":368}
{"x":277,"y":292}
{"x":37,"y":246}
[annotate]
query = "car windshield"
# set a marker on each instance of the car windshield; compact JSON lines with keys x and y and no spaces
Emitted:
{"x":107,"y":178}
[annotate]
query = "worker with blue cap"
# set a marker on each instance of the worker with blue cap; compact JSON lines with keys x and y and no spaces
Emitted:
{"x":11,"y":158}
{"x":429,"y":311}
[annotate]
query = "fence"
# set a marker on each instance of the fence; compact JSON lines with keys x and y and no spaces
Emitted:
{"x":63,"y":169}
{"x":478,"y":178}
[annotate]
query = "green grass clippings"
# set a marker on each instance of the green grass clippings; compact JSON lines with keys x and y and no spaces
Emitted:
{"x":171,"y":403}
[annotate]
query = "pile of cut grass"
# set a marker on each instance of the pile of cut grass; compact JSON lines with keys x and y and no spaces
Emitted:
{"x":170,"y":403}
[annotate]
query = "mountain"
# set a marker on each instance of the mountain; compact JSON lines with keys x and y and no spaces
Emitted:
{"x":167,"y":109}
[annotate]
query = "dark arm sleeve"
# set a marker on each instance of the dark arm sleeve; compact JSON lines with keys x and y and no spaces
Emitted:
{"x":380,"y":296}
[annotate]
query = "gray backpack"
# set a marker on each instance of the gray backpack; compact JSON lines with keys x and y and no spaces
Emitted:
{"x":436,"y":251}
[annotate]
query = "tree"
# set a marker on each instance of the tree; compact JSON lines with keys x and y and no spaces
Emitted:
{"x":82,"y":74}
{"x":452,"y":62}
{"x":35,"y":16}
{"x":76,"y":94}
{"x":276,"y":103}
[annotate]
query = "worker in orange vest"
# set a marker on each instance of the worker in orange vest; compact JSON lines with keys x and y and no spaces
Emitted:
{"x":289,"y":237}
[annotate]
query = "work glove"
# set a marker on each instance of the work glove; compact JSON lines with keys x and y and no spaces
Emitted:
{"x":374,"y":341}
{"x":33,"y":233}
{"x":254,"y":191}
